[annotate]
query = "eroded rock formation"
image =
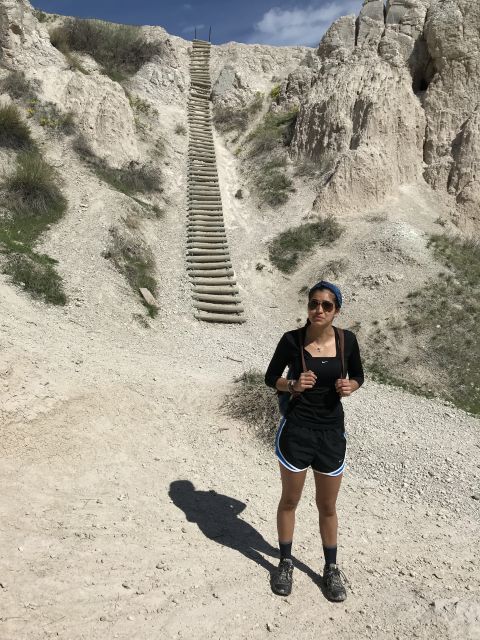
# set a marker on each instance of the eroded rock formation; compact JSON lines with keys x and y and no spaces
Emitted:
{"x":100,"y":106}
{"x":452,"y":137}
{"x":395,"y":97}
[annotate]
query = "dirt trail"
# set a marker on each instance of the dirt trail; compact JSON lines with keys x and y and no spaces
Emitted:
{"x":93,"y":545}
{"x":105,"y":424}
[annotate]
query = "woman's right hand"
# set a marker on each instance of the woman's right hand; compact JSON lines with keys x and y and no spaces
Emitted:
{"x":306,"y":381}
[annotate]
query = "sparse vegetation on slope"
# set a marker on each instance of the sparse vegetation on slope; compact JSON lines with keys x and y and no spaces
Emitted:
{"x":289,"y":247}
{"x":448,"y":310}
{"x":442,"y":325}
{"x":255,"y":404}
{"x":49,"y":116}
{"x":121,"y":50}
{"x":131,"y":179}
{"x":230,"y":119}
{"x":266,"y":149}
{"x":275,"y":92}
{"x":275,"y":130}
{"x":17,"y":86}
{"x":32,"y":201}
{"x":134,"y":259}
{"x":41,"y":16}
{"x":14,"y":131}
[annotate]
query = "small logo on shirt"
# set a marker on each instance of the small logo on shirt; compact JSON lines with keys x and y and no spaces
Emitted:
{"x":324,"y":361}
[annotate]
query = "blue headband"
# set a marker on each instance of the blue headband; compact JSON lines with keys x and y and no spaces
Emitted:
{"x":323,"y":284}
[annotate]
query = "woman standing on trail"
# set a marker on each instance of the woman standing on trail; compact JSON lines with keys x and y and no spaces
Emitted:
{"x":311,"y":432}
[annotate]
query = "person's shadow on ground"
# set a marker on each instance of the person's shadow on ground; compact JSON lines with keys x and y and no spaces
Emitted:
{"x":217,"y":518}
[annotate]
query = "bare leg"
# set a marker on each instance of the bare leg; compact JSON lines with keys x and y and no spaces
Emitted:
{"x":327,"y":488}
{"x":292,"y":486}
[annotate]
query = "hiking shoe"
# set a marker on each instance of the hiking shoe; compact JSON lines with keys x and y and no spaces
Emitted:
{"x":334,"y":582}
{"x":282,"y":580}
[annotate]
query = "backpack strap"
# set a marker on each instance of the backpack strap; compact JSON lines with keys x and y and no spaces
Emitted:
{"x":301,"y":342}
{"x":340,"y":336}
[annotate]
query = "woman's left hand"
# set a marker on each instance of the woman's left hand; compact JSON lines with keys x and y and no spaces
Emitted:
{"x":345,"y":387}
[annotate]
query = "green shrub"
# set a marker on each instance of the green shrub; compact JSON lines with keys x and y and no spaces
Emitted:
{"x":41,"y":16}
{"x":14,"y":132}
{"x":32,"y":202}
{"x":33,"y":192}
{"x":120,"y":49}
{"x":135,"y":261}
{"x":275,"y":130}
{"x":290,"y":246}
{"x":275,"y":92}
{"x":17,"y":86}
{"x":255,"y":404}
{"x":37,"y":275}
{"x":274,"y":187}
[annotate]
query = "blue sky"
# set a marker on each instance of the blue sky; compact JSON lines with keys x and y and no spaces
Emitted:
{"x":260,"y":21}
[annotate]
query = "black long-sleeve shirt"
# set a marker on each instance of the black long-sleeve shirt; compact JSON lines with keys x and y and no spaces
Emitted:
{"x":319,"y":407}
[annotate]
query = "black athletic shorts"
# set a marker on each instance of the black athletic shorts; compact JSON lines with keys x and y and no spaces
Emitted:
{"x":298,"y":448}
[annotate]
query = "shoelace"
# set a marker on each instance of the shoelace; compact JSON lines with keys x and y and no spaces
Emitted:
{"x":334,"y":576}
{"x":285,"y":571}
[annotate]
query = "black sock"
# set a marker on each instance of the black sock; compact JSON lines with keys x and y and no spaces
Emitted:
{"x":330,"y":554}
{"x":285,"y":550}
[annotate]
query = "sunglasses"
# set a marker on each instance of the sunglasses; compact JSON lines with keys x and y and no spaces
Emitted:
{"x":326,"y":305}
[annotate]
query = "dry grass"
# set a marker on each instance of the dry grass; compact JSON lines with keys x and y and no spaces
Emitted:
{"x":121,"y":50}
{"x":228,"y":119}
{"x":14,"y":131}
{"x":131,"y":179}
{"x":17,"y":86}
{"x":255,"y":404}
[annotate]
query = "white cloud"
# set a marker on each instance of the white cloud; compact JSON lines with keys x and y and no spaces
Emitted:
{"x":300,"y":26}
{"x":191,"y":28}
